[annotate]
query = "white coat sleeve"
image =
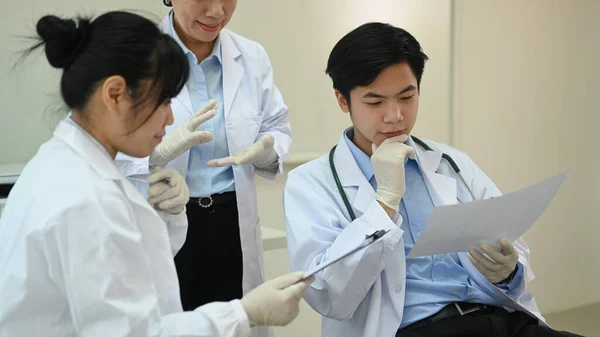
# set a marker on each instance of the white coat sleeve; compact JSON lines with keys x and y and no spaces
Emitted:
{"x":137,"y":170}
{"x":177,"y":225}
{"x":107,"y":278}
{"x":275,"y":118}
{"x":133,"y":167}
{"x":317,"y":230}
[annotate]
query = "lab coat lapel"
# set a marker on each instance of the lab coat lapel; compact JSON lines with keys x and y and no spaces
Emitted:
{"x":441,"y":188}
{"x":99,"y":161}
{"x":352,"y":178}
{"x":232,"y":70}
{"x":82,"y":144}
{"x":182,"y":102}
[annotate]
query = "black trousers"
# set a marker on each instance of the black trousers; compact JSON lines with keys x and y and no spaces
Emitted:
{"x":209,"y":265}
{"x":494,"y":322}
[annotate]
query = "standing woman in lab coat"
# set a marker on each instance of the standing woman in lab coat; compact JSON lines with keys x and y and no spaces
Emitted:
{"x":240,"y":130}
{"x":82,"y":253}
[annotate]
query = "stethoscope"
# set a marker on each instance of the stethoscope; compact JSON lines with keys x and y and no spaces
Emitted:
{"x":418,"y":142}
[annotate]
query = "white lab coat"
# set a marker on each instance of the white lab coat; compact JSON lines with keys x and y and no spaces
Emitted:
{"x":253,"y":109}
{"x":363,"y":295}
{"x":83,"y":253}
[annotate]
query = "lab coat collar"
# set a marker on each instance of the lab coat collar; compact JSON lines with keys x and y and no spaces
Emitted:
{"x":84,"y":146}
{"x":97,"y":159}
{"x":351,"y":176}
{"x":362,"y":159}
{"x":184,"y":96}
{"x":233,"y":69}
{"x":441,"y":188}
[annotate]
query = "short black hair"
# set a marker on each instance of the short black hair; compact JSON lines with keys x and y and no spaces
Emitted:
{"x":116,"y":43}
{"x":361,"y":55}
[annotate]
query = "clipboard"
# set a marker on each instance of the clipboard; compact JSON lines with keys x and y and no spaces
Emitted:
{"x":370,"y":239}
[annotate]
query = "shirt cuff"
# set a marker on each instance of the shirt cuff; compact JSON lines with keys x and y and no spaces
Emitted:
{"x":516,"y":280}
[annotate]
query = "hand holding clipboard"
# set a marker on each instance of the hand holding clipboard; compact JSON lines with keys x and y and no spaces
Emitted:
{"x":369,"y":240}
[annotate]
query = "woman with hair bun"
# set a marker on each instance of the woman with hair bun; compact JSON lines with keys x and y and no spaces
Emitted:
{"x":82,"y":253}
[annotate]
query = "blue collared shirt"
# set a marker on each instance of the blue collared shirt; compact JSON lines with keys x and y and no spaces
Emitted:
{"x":205,"y":83}
{"x":432,"y":282}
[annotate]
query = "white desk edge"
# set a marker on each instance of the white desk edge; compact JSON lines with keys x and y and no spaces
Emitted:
{"x":272,"y":238}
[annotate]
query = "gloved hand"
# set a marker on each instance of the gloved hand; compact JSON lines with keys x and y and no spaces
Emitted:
{"x":184,"y":137}
{"x":260,"y":154}
{"x":388,"y":167}
{"x":168,"y":191}
{"x":502,"y":263}
{"x":276,"y":302}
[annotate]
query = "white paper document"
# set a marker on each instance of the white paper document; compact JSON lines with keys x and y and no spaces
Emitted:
{"x":457,"y":228}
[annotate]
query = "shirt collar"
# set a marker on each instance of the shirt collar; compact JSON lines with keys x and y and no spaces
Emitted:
{"x":363,"y":160}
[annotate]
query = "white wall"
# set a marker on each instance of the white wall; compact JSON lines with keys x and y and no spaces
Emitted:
{"x":298,"y":35}
{"x":527,"y":108}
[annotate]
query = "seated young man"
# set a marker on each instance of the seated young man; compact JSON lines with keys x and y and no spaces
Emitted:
{"x":392,"y":182}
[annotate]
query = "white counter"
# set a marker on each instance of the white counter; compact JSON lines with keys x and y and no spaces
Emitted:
{"x":10,"y":172}
{"x":273,"y":238}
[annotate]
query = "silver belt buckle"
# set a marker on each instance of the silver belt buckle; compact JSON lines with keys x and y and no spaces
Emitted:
{"x":208,"y":204}
{"x":468,"y":311}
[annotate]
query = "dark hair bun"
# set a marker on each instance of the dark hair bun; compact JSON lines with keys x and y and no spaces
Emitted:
{"x":63,"y":38}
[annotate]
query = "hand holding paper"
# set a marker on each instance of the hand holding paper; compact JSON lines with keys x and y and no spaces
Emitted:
{"x":458,"y":228}
{"x":500,"y":264}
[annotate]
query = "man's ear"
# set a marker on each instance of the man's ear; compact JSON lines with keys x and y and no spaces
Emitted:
{"x":342,"y":101}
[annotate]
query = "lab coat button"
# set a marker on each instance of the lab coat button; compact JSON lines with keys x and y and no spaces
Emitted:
{"x":398,"y":288}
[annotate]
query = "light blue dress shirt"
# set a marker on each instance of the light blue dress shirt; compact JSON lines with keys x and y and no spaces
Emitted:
{"x":432,"y":282}
{"x":205,"y":83}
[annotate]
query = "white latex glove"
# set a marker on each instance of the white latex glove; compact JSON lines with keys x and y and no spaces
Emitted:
{"x":500,"y":264}
{"x":388,"y":167}
{"x":276,"y":302}
{"x":184,"y":137}
{"x":168,"y":191}
{"x":260,"y":154}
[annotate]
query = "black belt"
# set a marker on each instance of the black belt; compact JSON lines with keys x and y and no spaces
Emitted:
{"x":215,"y":199}
{"x":451,"y":310}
